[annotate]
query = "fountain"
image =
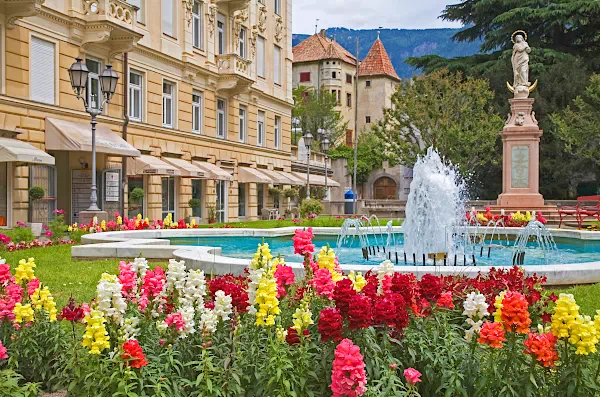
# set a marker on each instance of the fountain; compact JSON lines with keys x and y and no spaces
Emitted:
{"x":539,"y":234}
{"x":434,"y":208}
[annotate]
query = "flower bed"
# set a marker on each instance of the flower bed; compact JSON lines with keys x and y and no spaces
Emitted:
{"x":515,"y":219}
{"x":176,"y":332}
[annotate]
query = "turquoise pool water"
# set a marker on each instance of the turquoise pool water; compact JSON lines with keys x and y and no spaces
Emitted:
{"x":569,"y":250}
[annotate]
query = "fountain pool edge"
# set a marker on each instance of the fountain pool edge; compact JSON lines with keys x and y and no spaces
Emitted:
{"x":152,"y":244}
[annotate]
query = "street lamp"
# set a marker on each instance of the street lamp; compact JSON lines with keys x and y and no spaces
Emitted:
{"x":325,"y":149}
{"x":78,"y":72}
{"x":296,"y":124}
{"x":307,"y":143}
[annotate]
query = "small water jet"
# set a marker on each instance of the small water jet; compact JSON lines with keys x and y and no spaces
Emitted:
{"x":537,"y":232}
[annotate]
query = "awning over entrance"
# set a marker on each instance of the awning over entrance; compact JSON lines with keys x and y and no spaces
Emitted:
{"x":211,"y":171}
{"x":317,"y":180}
{"x":187,"y":169}
{"x":252,"y":175}
{"x":282,"y":178}
{"x":77,"y":137}
{"x":22,"y":152}
{"x":150,"y":165}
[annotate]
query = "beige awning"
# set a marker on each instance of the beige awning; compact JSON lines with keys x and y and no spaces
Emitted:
{"x":77,"y":137}
{"x":281,"y":178}
{"x":317,"y":180}
{"x":22,"y":152}
{"x":211,"y":171}
{"x":187,"y":169}
{"x":253,"y":175}
{"x":150,"y":165}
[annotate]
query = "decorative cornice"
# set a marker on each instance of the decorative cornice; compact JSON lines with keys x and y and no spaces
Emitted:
{"x":17,"y":9}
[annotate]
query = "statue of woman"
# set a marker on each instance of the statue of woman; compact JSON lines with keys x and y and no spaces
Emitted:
{"x":520,"y":62}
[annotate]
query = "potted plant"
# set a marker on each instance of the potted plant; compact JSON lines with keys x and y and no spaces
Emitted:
{"x":37,"y":193}
{"x":275,"y":193}
{"x":211,"y":213}
{"x":135,"y":199}
{"x":290,"y":194}
{"x":194,"y":204}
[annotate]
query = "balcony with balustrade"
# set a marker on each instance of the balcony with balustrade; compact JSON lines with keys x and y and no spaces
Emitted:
{"x":234,"y":74}
{"x":234,"y":5}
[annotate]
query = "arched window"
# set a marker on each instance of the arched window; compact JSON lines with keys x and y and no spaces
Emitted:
{"x":384,"y":188}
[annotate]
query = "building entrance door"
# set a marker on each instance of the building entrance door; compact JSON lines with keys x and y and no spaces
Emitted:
{"x":384,"y":188}
{"x":221,"y":201}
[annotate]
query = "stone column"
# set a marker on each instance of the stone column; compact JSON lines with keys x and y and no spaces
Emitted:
{"x":521,"y":163}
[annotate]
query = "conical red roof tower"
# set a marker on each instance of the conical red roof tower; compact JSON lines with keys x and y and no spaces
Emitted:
{"x":377,"y":63}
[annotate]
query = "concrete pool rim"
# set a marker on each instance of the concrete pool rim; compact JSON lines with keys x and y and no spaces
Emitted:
{"x":154,"y":244}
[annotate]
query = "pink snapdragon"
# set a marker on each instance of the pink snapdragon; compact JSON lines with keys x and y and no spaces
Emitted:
{"x":412,"y":376}
{"x":32,"y":285}
{"x":127,"y":278}
{"x":5,"y":275}
{"x":323,"y":283}
{"x":284,"y":276}
{"x":3,"y":354}
{"x":303,"y":241}
{"x":348,"y":378}
{"x":175,"y":320}
{"x":152,"y":286}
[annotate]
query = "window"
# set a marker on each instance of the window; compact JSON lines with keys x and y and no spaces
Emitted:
{"x":221,"y":120}
{"x":221,"y":188}
{"x":368,"y":83}
{"x":197,"y":24}
{"x":140,"y":12}
{"x":168,"y":196}
{"x":168,"y":92}
{"x":260,"y":55}
{"x":92,"y":88}
{"x":197,"y":112}
{"x":304,"y":77}
{"x":368,"y":119}
{"x":135,"y":96}
{"x":334,"y":75}
{"x":241,"y":200}
{"x":277,"y":7}
{"x":260,"y":137}
{"x":197,"y":194}
{"x":338,"y":95}
{"x":349,"y":138}
{"x":243,"y":42}
{"x":277,"y":65}
{"x":42,"y":71}
{"x":168,"y":17}
{"x":220,"y":34}
{"x":277,"y":132}
{"x":349,"y":100}
{"x":348,"y":78}
{"x":242,"y":124}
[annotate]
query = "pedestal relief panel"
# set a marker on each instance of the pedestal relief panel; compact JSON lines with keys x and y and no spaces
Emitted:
{"x":520,"y":167}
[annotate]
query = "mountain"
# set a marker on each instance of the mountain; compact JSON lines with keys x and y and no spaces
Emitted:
{"x":401,"y":44}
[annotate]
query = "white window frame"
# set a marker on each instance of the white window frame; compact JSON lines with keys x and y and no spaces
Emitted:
{"x":243,"y":203}
{"x":221,"y":113}
{"x":221,"y":36}
{"x":197,"y":112}
{"x":197,"y":25}
{"x":277,"y":132}
{"x":277,"y":65}
{"x":260,"y":57}
{"x":140,"y":17}
{"x":243,"y":123}
{"x":175,"y":197}
{"x":242,"y":43}
{"x":260,"y":128}
{"x":136,"y":88}
{"x":168,"y":100}
{"x":50,"y":73}
{"x":277,"y":7}
{"x":94,"y":77}
{"x":165,"y":4}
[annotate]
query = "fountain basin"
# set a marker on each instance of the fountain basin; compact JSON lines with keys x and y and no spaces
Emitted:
{"x":161,"y":244}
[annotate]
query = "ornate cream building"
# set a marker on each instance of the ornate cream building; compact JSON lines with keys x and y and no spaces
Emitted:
{"x":202,"y":108}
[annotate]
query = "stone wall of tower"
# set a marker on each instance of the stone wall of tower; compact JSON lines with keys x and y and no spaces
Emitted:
{"x":373,"y":99}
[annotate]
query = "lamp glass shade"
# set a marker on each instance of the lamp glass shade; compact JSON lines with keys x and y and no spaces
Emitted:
{"x":308,"y":138}
{"x":108,"y":82}
{"x":325,"y":145}
{"x":78,"y":73}
{"x":296,"y":121}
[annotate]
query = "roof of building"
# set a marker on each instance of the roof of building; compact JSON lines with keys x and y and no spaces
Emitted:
{"x":377,"y":63}
{"x":319,"y":47}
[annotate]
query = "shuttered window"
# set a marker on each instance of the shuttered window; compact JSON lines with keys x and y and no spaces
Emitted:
{"x":42,"y":71}
{"x":167,"y":17}
{"x":277,"y":65}
{"x":260,"y":55}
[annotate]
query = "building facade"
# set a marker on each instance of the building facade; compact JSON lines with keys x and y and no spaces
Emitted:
{"x":202,"y":108}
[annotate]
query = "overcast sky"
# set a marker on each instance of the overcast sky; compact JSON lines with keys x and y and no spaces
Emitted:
{"x":369,"y":14}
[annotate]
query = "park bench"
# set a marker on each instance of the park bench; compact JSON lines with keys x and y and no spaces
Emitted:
{"x":582,"y":210}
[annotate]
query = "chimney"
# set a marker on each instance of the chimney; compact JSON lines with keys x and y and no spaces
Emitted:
{"x":323,"y":33}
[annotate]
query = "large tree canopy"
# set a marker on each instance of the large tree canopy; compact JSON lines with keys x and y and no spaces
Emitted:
{"x":450,"y":113}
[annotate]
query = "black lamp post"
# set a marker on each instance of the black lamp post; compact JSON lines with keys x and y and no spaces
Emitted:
{"x":325,"y":149}
{"x":78,"y":73}
{"x":307,"y":143}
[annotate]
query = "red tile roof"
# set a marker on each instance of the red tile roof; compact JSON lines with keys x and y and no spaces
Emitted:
{"x":377,"y":63}
{"x":317,"y":48}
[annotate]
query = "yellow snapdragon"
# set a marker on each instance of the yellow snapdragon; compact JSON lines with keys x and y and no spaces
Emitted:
{"x":266,"y":299}
{"x":498,"y":305}
{"x":262,"y":257}
{"x":302,"y":318}
{"x":23,"y":313}
{"x":96,"y":337}
{"x":584,"y":335}
{"x":358,"y":280}
{"x":119,"y":220}
{"x":24,"y":272}
{"x":42,"y":298}
{"x":281,"y":334}
{"x":566,"y":314}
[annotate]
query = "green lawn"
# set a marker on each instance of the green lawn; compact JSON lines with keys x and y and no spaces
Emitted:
{"x":587,"y":296}
{"x":322,"y":221}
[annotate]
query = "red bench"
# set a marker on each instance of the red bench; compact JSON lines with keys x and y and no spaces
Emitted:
{"x":581,"y":211}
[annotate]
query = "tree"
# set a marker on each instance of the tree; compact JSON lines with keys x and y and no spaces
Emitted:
{"x":316,"y":109}
{"x":448,"y":112}
{"x":368,"y":156}
{"x":577,"y":127}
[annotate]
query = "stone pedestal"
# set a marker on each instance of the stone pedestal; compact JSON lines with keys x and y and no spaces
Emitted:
{"x":85,"y":217}
{"x":521,"y":163}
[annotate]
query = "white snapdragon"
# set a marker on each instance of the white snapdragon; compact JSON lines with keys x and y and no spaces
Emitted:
{"x":140,"y":265}
{"x":194,"y":289}
{"x":129,"y":329}
{"x":210,"y":320}
{"x":176,"y":276}
{"x":254,"y":275}
{"x":386,"y":268}
{"x":223,"y":308}
{"x":187,"y":314}
{"x":475,"y":308}
{"x":109,"y":297}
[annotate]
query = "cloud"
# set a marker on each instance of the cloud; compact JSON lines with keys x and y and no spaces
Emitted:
{"x":353,"y":14}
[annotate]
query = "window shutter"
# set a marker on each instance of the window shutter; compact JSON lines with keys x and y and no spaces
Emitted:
{"x":167,"y":17}
{"x":261,"y":56}
{"x":42,"y":71}
{"x":277,"y":65}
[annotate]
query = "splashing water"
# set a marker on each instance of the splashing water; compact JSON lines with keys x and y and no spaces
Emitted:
{"x":539,"y":234}
{"x":435,"y":206}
